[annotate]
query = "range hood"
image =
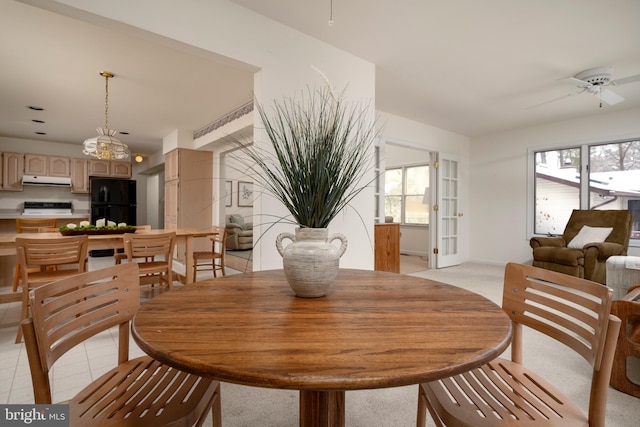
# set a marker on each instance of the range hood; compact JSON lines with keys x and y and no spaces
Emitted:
{"x":56,"y":181}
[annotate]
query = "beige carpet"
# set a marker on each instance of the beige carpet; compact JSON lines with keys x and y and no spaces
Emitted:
{"x":247,"y":406}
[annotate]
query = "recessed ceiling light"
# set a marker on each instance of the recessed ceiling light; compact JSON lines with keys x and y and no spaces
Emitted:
{"x":37,"y":121}
{"x":34,"y":108}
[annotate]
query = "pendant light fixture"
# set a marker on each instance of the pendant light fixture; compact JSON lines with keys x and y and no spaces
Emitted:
{"x":105,"y":146}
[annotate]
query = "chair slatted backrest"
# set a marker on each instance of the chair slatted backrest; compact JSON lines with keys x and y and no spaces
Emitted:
{"x":219,"y":239}
{"x":71,"y":310}
{"x":41,"y":252}
{"x":571,"y":310}
{"x":32,"y":225}
{"x":149,"y":245}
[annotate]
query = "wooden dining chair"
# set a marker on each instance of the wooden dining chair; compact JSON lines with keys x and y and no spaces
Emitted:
{"x":30,"y":225}
{"x":36,"y":255}
{"x":48,"y":229}
{"x":118,"y":257}
{"x":138,"y":392}
{"x":214,"y":259}
{"x":573,"y":311}
{"x":155,"y":254}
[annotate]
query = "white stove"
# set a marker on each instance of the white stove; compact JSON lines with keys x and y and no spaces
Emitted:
{"x":48,"y":208}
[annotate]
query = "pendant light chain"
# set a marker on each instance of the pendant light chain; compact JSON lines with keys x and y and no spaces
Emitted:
{"x":105,"y":146}
{"x":106,"y":101}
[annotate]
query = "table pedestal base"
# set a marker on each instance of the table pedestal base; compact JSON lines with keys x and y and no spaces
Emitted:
{"x":322,"y":408}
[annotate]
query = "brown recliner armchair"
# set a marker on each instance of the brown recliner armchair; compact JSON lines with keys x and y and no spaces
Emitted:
{"x":587,"y":261}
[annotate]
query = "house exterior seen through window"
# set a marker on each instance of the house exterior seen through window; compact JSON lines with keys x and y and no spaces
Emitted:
{"x":595,"y":176}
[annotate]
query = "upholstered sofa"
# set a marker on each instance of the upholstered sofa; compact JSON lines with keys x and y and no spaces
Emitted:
{"x":239,"y":233}
{"x":585,"y":256}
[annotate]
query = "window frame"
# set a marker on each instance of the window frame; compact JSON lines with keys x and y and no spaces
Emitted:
{"x":403,"y":196}
{"x":584,"y":195}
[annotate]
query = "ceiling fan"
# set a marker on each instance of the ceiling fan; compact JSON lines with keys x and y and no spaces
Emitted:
{"x":595,"y":82}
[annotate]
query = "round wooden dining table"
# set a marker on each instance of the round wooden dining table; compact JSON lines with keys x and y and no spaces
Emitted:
{"x":373,"y":330}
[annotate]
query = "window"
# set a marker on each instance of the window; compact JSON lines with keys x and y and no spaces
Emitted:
{"x":607,"y":178}
{"x":405,"y":194}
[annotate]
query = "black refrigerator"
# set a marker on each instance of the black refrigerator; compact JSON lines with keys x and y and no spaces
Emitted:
{"x":114,"y":200}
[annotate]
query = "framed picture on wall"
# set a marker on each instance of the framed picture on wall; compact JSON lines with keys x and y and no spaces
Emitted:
{"x":245,"y":193}
{"x":228,"y":193}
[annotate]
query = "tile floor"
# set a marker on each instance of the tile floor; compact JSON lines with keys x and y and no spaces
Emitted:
{"x":75,"y":369}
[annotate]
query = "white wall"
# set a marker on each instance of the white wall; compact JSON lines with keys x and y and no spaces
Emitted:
{"x":409,"y":133}
{"x":285,"y":58}
{"x":498,"y":176}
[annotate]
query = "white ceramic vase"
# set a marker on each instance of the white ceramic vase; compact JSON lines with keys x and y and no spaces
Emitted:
{"x":310,"y":261}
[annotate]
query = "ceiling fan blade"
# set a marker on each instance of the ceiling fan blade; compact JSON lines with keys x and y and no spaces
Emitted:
{"x":625,"y":80}
{"x":610,"y":97}
{"x":554,"y":100}
{"x":581,"y":83}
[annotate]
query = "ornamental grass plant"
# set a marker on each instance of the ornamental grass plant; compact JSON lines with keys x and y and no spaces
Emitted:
{"x":322,"y":151}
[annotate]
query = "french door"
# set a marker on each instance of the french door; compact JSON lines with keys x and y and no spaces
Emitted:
{"x":448,"y":213}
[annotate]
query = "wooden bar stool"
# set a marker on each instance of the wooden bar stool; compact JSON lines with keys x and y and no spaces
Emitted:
{"x":628,"y":310}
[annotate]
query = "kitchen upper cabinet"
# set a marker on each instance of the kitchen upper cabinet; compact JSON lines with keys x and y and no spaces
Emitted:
{"x":109,"y":168}
{"x":12,"y":171}
{"x":99,"y":168}
{"x":79,"y":176}
{"x":35,"y":164}
{"x":59,"y":166}
{"x":39,"y":165}
{"x":121,"y":169}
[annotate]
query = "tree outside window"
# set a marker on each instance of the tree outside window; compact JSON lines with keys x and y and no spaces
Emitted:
{"x":613,"y":182}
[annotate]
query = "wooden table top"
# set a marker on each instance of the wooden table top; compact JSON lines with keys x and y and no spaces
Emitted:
{"x":9,"y":239}
{"x":373,"y":330}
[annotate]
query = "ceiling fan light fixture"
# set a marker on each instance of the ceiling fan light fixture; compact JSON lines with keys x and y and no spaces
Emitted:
{"x":105,"y":146}
{"x":600,"y":76}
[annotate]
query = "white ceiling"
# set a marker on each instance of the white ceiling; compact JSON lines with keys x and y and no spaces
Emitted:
{"x":469,"y":66}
